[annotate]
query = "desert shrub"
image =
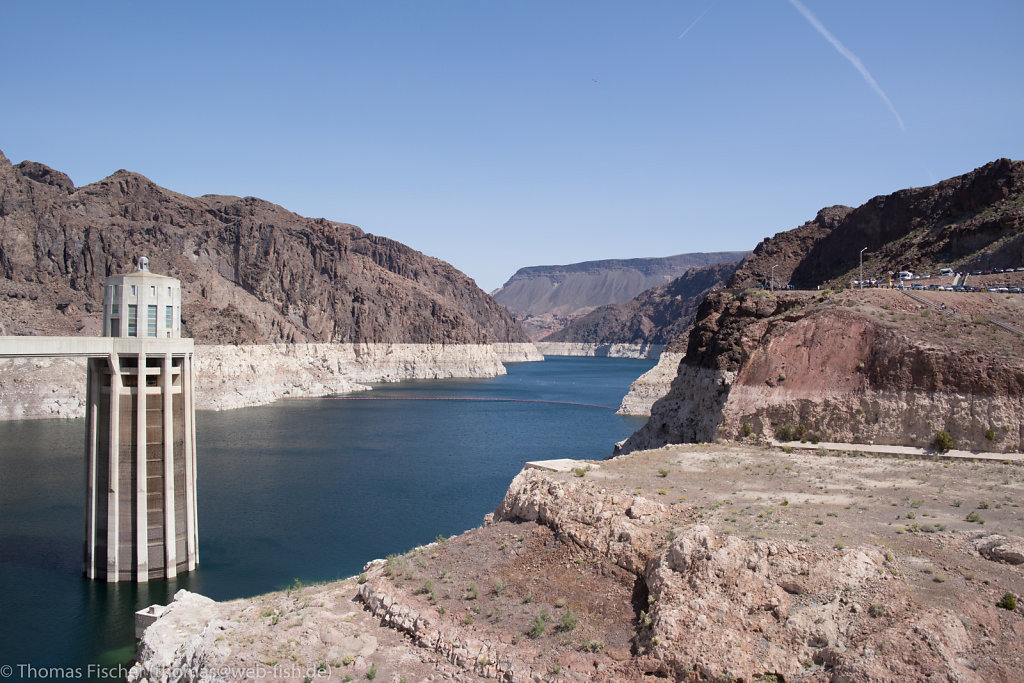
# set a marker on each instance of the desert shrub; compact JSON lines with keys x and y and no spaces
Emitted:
{"x":943,"y":441}
{"x":747,"y":429}
{"x":568,"y":621}
{"x":538,"y":625}
{"x":786,"y":432}
{"x":990,"y":434}
{"x":1008,"y":601}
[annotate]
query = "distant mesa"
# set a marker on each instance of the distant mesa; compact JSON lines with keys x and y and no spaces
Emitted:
{"x":655,"y":316}
{"x":547,"y":298}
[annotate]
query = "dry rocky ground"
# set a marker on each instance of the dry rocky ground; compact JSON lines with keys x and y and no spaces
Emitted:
{"x":691,"y":562}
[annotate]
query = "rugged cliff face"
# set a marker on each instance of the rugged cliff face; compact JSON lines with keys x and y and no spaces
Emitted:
{"x":860,"y":367}
{"x":972,"y":221}
{"x":655,"y":316}
{"x":547,"y":298}
{"x":747,"y":570}
{"x":252,"y":272}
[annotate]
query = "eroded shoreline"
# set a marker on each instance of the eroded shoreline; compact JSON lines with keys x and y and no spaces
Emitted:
{"x":797,"y":565}
{"x":230,"y":376}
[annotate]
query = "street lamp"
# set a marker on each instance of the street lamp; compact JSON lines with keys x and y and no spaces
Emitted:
{"x":862,"y":267}
{"x":773,"y":276}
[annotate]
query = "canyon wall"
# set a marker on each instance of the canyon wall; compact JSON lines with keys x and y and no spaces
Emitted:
{"x":651,"y":386}
{"x":856,"y":367}
{"x":970,"y":221}
{"x":230,"y":376}
{"x":251,"y":272}
{"x":655,"y":316}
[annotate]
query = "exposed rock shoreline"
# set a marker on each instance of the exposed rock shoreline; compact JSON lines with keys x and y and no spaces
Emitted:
{"x":651,"y":386}
{"x":600,"y":350}
{"x":230,"y":376}
{"x":690,"y":563}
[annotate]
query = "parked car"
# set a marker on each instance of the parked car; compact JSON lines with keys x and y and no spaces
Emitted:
{"x":946,"y":271}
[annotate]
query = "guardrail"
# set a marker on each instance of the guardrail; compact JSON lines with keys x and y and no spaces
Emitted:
{"x":1008,"y":328}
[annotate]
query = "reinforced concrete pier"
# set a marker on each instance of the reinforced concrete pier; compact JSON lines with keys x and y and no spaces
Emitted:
{"x":140,"y":488}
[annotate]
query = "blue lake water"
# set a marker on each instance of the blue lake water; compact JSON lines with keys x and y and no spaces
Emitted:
{"x":307,"y":490}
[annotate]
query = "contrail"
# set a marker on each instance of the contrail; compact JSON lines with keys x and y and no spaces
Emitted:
{"x":852,"y":58}
{"x":697,"y":20}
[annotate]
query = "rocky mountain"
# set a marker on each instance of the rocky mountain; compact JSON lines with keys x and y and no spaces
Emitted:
{"x":251,"y":271}
{"x":546,"y":298}
{"x":655,"y":316}
{"x":871,"y":366}
{"x":971,"y":221}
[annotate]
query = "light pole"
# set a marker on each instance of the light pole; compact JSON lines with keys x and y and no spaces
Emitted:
{"x":773,"y":276}
{"x":862,"y":267}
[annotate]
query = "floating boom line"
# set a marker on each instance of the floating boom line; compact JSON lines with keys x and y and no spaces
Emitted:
{"x":447,"y":398}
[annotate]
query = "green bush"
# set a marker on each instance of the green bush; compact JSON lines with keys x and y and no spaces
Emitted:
{"x":568,"y":621}
{"x":786,"y":432}
{"x":943,"y":441}
{"x":990,"y":434}
{"x":747,"y":429}
{"x":1008,"y":602}
{"x":537,"y":626}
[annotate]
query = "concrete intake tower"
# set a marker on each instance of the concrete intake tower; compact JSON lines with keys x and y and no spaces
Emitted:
{"x":140,"y":488}
{"x":140,"y":507}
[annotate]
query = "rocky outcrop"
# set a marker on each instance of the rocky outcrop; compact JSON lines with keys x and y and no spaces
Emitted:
{"x":971,"y":221}
{"x":230,"y":376}
{"x":600,"y":350}
{"x":251,"y":271}
{"x":651,"y":386}
{"x":655,"y":316}
{"x":183,"y":643}
{"x":708,"y":601}
{"x":41,"y":388}
{"x":724,"y":607}
{"x":691,"y":411}
{"x":891,"y":374}
{"x":617,"y":526}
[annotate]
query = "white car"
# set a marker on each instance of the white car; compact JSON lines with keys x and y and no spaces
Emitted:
{"x":946,"y":271}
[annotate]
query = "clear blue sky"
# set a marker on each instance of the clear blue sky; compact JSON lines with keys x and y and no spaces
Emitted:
{"x":498,"y":134}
